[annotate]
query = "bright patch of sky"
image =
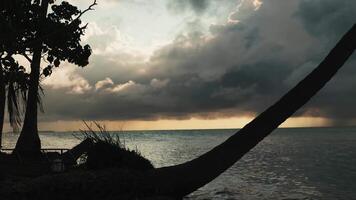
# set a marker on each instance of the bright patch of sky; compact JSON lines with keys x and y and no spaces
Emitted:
{"x":143,"y":26}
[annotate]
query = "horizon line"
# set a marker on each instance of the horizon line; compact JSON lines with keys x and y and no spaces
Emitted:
{"x":192,"y":129}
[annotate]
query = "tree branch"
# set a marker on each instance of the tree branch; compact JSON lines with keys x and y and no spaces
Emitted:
{"x":56,"y":32}
{"x":28,"y":58}
{"x":86,"y":10}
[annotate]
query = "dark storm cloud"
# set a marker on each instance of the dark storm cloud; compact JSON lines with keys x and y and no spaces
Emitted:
{"x":242,"y":68}
{"x":198,"y":6}
{"x":328,"y":18}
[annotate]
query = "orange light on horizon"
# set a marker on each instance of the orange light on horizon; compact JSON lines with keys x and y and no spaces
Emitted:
{"x":171,"y":124}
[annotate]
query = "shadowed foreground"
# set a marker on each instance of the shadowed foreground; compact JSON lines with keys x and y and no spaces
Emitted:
{"x":180,"y":180}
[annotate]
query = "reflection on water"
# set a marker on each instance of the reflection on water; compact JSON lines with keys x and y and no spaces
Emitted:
{"x":290,"y":164}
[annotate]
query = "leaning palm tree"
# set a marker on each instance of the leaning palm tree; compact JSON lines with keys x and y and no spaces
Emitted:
{"x":207,"y":167}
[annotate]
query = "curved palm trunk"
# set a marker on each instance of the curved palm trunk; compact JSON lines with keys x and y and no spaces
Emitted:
{"x":185,"y":178}
{"x":29,"y":141}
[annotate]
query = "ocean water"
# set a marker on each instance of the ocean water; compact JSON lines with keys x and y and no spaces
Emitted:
{"x":300,"y":163}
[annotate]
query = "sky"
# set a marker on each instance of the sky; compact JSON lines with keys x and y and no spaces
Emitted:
{"x":184,"y":64}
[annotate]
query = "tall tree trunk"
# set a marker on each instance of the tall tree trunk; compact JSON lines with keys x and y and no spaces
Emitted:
{"x":29,"y":141}
{"x":2,"y":103}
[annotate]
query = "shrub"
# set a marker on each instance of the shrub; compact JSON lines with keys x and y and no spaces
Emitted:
{"x":109,"y":151}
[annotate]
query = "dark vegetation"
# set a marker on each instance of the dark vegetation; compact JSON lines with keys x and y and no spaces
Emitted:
{"x":102,"y":150}
{"x":109,"y":151}
{"x":105,"y":155}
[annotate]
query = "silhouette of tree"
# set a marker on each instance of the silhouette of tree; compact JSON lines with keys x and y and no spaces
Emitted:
{"x":13,"y":77}
{"x":40,"y":34}
{"x":13,"y":87}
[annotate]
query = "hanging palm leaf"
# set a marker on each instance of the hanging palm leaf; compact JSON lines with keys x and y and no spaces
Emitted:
{"x":39,"y":97}
{"x":16,"y":81}
{"x":13,"y":107}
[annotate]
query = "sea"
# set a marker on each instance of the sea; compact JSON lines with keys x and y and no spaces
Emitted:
{"x":290,"y":164}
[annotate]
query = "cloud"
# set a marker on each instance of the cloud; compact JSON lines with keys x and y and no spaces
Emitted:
{"x":240,"y":67}
{"x":67,"y":79}
{"x":130,"y":85}
{"x":104,"y":84}
{"x":110,"y":41}
{"x":200,"y":7}
{"x":327,"y":18}
{"x":156,"y":83}
{"x":244,"y":10}
{"x":197,"y":6}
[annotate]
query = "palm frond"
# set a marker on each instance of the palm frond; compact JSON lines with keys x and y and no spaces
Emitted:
{"x":40,"y":93}
{"x":98,"y":133}
{"x":13,"y":108}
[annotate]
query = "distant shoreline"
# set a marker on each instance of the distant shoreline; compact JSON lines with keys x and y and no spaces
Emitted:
{"x":11,"y":132}
{"x":217,"y":129}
